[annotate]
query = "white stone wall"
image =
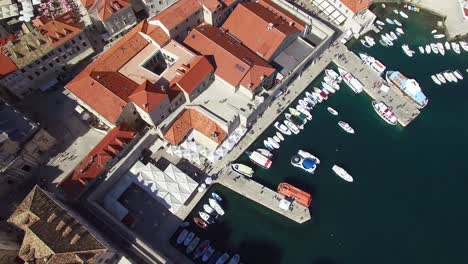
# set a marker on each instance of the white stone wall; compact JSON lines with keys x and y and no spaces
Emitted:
{"x":120,"y":22}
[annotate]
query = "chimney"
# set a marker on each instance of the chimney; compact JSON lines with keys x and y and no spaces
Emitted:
{"x":180,"y":72}
{"x":67,"y":231}
{"x":270,"y":26}
{"x":51,"y":217}
{"x":75,"y":239}
{"x":291,"y":23}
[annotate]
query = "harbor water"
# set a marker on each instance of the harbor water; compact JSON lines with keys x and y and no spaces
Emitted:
{"x":407,"y":203}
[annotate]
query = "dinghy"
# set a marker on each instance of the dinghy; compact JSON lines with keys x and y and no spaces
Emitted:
{"x":398,"y":23}
{"x":403,"y":14}
{"x":439,"y":36}
{"x":400,"y":31}
{"x":395,"y":11}
{"x":434,"y":31}
{"x":280,"y":136}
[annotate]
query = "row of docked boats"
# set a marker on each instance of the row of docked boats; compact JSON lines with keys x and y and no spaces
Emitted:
{"x":447,"y":76}
{"x":211,"y":211}
{"x":442,"y":48}
{"x":375,"y":64}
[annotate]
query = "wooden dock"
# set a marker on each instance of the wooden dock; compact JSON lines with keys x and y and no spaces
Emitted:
{"x":404,"y":109}
{"x":264,"y":196}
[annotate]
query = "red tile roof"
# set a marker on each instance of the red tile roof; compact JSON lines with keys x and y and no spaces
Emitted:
{"x":193,"y":119}
{"x":235,"y":63}
{"x":194,"y":73}
{"x":357,"y":5}
{"x":177,"y":13}
{"x":147,"y":96}
{"x":106,"y":8}
{"x":93,"y":164}
{"x":212,"y":5}
{"x":7,"y":65}
{"x":88,"y":3}
{"x":250,"y":23}
{"x":299,"y":24}
{"x":59,"y":30}
{"x":101,"y":86}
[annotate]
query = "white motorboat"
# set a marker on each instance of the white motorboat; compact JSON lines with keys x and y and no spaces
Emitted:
{"x":458,"y":74}
{"x":388,"y":36}
{"x":389,"y":21}
{"x":241,"y":169}
{"x":305,"y":104}
{"x":213,"y":203}
{"x":208,"y":210}
{"x":395,"y":11}
{"x":441,"y":49}
{"x":325,"y":90}
{"x":403,"y":14}
{"x":189,"y":238}
{"x":280,"y":136}
{"x":277,"y":139}
{"x":342,"y":173}
{"x":222,"y":259}
{"x":441,"y":78}
{"x":297,"y":116}
{"x":322,"y":93}
{"x":407,"y":50}
{"x":310,"y":102}
{"x":434,"y":48}
{"x":273,"y":143}
{"x":428,"y":49}
{"x":265,"y":153}
{"x":393,"y":35}
{"x":370,"y":40}
{"x":182,"y":236}
{"x":398,"y":23}
{"x":378,"y":22}
{"x":318,"y":97}
{"x":421,"y":49}
{"x":434,"y":31}
{"x":206,"y":217}
{"x":216,"y":197}
{"x":304,"y":111}
{"x":333,"y":75}
{"x":295,"y":120}
{"x":400,"y":31}
{"x":282,"y":128}
{"x":268,"y":145}
{"x":332,"y":83}
{"x":346,"y":127}
{"x":447,"y":45}
{"x":464,"y":45}
{"x":371,"y":61}
{"x":260,"y":160}
{"x":192,"y":245}
{"x":235,"y":259}
{"x":309,"y":95}
{"x":386,"y":40}
{"x":365,"y":44}
{"x":328,"y":87}
{"x":351,"y":81}
{"x":456,"y":47}
{"x":332,"y":111}
{"x":384,"y":112}
{"x":209,"y":252}
{"x":305,"y":161}
{"x":435,"y":79}
{"x":292,"y":127}
{"x":447,"y":76}
{"x":439,"y":36}
{"x":383,"y":5}
{"x":452,"y":76}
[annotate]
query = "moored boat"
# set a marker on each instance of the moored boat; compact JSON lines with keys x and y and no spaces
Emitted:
{"x":304,"y":112}
{"x":332,"y":111}
{"x":435,"y":79}
{"x":456,"y":47}
{"x":267,"y":145}
{"x":318,"y":97}
{"x":298,"y":115}
{"x":282,"y":128}
{"x":342,"y":173}
{"x":398,"y":23}
{"x":277,"y":139}
{"x":208,"y":209}
{"x":199,"y":222}
{"x":346,"y":127}
{"x":365,"y":44}
{"x":389,"y":21}
{"x":384,"y":112}
{"x":333,"y":75}
{"x":441,"y":78}
{"x":403,"y":14}
{"x":452,"y":76}
{"x":305,"y":104}
{"x":421,"y":49}
{"x":192,"y":245}
{"x":201,"y":249}
{"x":206,"y":217}
{"x":189,"y":237}
{"x":351,"y":81}
{"x":428,"y":49}
{"x":441,"y":49}
{"x":213,"y":203}
{"x":217,"y":197}
{"x":434,"y":48}
{"x":458,"y":74}
{"x":265,"y":153}
{"x":260,"y":160}
{"x":371,"y":61}
{"x":379,"y":22}
{"x":447,"y":76}
{"x":279,"y":135}
{"x":242,"y":169}
{"x":305,"y":161}
{"x":400,"y":31}
{"x":464,"y":45}
{"x":394,"y":36}
{"x":209,"y":252}
{"x":292,"y":127}
{"x":182,"y":236}
{"x":439,"y":36}
{"x":447,"y":45}
{"x":409,"y":87}
{"x":407,"y":50}
{"x":298,"y":195}
{"x":328,"y":87}
{"x":222,"y":259}
{"x":273,"y":143}
{"x":235,"y":259}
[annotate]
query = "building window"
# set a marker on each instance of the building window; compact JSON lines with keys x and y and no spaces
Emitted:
{"x":43,"y":69}
{"x":80,"y":37}
{"x":26,"y":168}
{"x":84,"y":44}
{"x":57,"y":60}
{"x":30,"y":77}
{"x":64,"y":56}
{"x":73,"y":41}
{"x":37,"y":73}
{"x":23,"y":70}
{"x":59,"y":50}
{"x":37,"y":62}
{"x":51,"y":65}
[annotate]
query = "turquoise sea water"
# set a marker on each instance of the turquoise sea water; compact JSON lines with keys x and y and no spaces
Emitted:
{"x":408,"y":201}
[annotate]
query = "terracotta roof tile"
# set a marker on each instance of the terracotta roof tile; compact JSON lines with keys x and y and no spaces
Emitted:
{"x":250,"y":23}
{"x":147,"y":96}
{"x":212,"y":5}
{"x":193,"y":119}
{"x":8,"y":66}
{"x":177,"y":13}
{"x":60,"y":30}
{"x":299,"y":24}
{"x":195,"y":73}
{"x":106,"y":8}
{"x":233,"y":61}
{"x":357,"y":5}
{"x":88,"y":3}
{"x":93,"y":164}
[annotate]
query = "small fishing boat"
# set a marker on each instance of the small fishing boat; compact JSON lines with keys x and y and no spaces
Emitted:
{"x":464,"y":45}
{"x":447,"y":45}
{"x":365,"y":44}
{"x":201,"y":249}
{"x":456,"y":47}
{"x":282,"y":128}
{"x":332,"y":111}
{"x":235,"y":259}
{"x":421,"y":49}
{"x":441,"y":78}
{"x":267,"y":145}
{"x":439,"y":36}
{"x":447,"y":76}
{"x":435,"y":80}
{"x":398,"y":23}
{"x":342,"y":173}
{"x":273,"y":143}
{"x":458,"y":74}
{"x":428,"y":49}
{"x":279,"y":135}
{"x":441,"y":49}
{"x":217,"y":197}
{"x":222,"y":259}
{"x":452,"y":76}
{"x":265,"y":153}
{"x":378,"y":22}
{"x":213,"y":203}
{"x":192,"y":245}
{"x":434,"y":31}
{"x":403,"y":14}
{"x":395,"y":11}
{"x":304,"y":111}
{"x":292,"y":127}
{"x":241,"y":169}
{"x":190,"y":237}
{"x":209,"y":252}
{"x":346,"y":127}
{"x":407,"y":50}
{"x":400,"y":31}
{"x":182,"y":236}
{"x":434,"y":48}
{"x":389,"y":21}
{"x":208,"y":210}
{"x":328,"y":87}
{"x":393,"y":35}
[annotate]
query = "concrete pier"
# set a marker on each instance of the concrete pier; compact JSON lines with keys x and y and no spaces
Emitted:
{"x":264,"y":196}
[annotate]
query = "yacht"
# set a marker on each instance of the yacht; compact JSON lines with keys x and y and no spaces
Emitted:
{"x":384,"y":112}
{"x":213,"y":203}
{"x":282,"y":128}
{"x":371,"y":61}
{"x":342,"y":173}
{"x":304,"y":112}
{"x":447,"y":76}
{"x":452,"y":76}
{"x":182,"y":236}
{"x":305,"y":161}
{"x":436,"y":80}
{"x":292,"y":127}
{"x":409,"y":87}
{"x":346,"y":127}
{"x":260,"y":160}
{"x":351,"y":81}
{"x":332,"y":111}
{"x":242,"y":169}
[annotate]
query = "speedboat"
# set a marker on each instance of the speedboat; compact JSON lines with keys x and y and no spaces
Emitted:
{"x":305,"y":161}
{"x":394,"y":36}
{"x":400,"y":31}
{"x":279,"y":135}
{"x":441,"y":49}
{"x":318,"y":97}
{"x":439,"y":36}
{"x":208,"y":209}
{"x":182,"y":236}
{"x":332,"y":111}
{"x":273,"y":143}
{"x":398,"y":23}
{"x":441,"y":78}
{"x":333,"y":75}
{"x":395,"y":11}
{"x":325,"y":90}
{"x":242,"y":169}
{"x":456,"y":47}
{"x":369,"y":40}
{"x":310,"y":102}
{"x":388,"y":36}
{"x":342,"y":173}
{"x":199,"y":222}
{"x":452,"y":76}
{"x":282,"y":128}
{"x":447,"y":45}
{"x":292,"y":127}
{"x":464,"y":45}
{"x":435,"y":79}
{"x":277,"y":139}
{"x":403,"y":14}
{"x":260,"y":160}
{"x":332,"y":83}
{"x":189,"y":238}
{"x":434,"y":31}
{"x":321,"y":92}
{"x":384,"y":112}
{"x":365,"y":44}
{"x":407,"y":50}
{"x":379,"y":22}
{"x":304,"y":111}
{"x":235,"y":259}
{"x":209,"y":252}
{"x":328,"y":87}
{"x":192,"y":245}
{"x":447,"y":76}
{"x":351,"y":81}
{"x":265,"y":153}
{"x":346,"y":127}
{"x":309,"y":95}
{"x":458,"y":74}
{"x":298,"y":115}
{"x":201,"y":249}
{"x":222,"y":259}
{"x":216,"y":197}
{"x":428,"y":49}
{"x":206,"y":217}
{"x":389,"y":21}
{"x":216,"y":206}
{"x":304,"y":104}
{"x":434,"y":48}
{"x":268,"y":145}
{"x":421,"y":49}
